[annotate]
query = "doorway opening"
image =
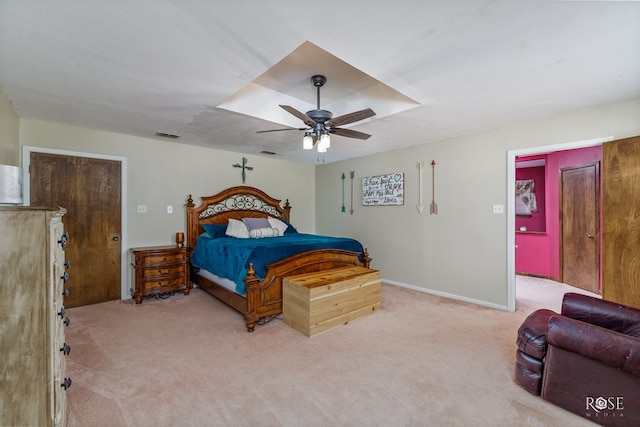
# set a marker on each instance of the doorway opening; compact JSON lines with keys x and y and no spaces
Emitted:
{"x":511,"y":203}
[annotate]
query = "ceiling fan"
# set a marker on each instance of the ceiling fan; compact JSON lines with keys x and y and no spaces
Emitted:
{"x":321,"y":123}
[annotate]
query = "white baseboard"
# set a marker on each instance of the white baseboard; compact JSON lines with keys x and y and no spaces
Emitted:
{"x":446,"y":295}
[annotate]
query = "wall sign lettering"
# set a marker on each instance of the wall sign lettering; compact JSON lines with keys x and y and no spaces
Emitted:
{"x":383,"y":190}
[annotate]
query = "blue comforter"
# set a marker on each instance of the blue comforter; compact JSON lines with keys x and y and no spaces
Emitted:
{"x":229,"y":257}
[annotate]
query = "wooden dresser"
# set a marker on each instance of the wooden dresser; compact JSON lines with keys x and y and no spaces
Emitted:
{"x":32,"y":319}
{"x":159,"y":270}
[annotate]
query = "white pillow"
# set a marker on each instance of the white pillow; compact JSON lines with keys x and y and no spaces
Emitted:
{"x":278,"y":225}
{"x":237,"y":229}
{"x":259,"y":233}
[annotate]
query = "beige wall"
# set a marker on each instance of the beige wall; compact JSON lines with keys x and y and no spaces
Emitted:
{"x":161,"y":173}
{"x":462,"y":251}
{"x":9,"y":133}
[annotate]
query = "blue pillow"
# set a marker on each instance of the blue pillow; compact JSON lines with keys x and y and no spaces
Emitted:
{"x":215,"y":230}
{"x":290,"y":228}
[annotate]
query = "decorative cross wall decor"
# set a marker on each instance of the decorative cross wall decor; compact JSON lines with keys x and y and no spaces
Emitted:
{"x":244,"y":168}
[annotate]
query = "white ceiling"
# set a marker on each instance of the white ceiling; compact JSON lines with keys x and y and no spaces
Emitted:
{"x":139,"y":66}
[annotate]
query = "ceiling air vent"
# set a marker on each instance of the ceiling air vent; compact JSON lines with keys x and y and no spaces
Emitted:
{"x":271,"y":153}
{"x":167,"y":135}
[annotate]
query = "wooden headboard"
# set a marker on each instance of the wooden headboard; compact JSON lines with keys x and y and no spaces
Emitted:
{"x":235,"y":202}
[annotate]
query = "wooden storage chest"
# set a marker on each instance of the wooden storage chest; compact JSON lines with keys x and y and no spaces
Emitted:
{"x":317,"y":302}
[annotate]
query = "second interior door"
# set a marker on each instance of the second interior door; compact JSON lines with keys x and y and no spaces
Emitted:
{"x":580,"y":226}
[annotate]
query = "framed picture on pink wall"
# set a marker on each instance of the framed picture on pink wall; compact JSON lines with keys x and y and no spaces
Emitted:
{"x":526,"y":197}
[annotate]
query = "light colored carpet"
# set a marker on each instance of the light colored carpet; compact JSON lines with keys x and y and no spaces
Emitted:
{"x":532,"y":293}
{"x":188,"y":361}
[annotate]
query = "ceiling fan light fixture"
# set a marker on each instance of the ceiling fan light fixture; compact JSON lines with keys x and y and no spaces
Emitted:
{"x":325,"y":140}
{"x":307,"y":141}
{"x":319,"y":123}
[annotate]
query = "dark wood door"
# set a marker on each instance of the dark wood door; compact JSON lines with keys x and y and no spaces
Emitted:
{"x":621,"y":221}
{"x":580,"y":226}
{"x":90,"y":190}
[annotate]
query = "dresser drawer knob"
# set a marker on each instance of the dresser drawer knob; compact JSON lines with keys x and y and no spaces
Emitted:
{"x":65,"y":277}
{"x":65,"y":293}
{"x":66,"y":321}
{"x":65,"y":349}
{"x":67,"y":263}
{"x":61,"y":312}
{"x":66,"y":383}
{"x":63,"y":239}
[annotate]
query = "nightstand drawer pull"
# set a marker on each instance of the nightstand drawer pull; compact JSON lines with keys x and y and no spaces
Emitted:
{"x":67,"y":264}
{"x":61,"y":312}
{"x":66,"y":383}
{"x":66,"y":321}
{"x":65,"y":277}
{"x":63,"y":239}
{"x":65,"y":349}
{"x":65,"y":293}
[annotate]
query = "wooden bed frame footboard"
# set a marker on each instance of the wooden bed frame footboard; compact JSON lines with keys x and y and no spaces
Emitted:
{"x":263,"y":297}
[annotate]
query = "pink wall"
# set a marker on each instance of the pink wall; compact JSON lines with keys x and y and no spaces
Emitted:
{"x":539,"y":253}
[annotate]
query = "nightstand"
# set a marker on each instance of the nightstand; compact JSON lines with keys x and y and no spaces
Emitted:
{"x":159,"y":270}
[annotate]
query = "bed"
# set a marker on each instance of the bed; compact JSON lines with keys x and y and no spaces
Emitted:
{"x":258,"y":293}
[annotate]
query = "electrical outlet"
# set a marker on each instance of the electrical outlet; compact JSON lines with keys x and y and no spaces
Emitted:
{"x":498,"y":209}
{"x":142,"y":208}
{"x":169,"y":209}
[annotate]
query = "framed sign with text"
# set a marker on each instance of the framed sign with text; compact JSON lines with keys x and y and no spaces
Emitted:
{"x":383,"y":190}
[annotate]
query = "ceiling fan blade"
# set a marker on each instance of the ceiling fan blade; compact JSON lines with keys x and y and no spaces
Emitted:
{"x":349,"y":133}
{"x":351,"y":117}
{"x":306,"y":119}
{"x":279,"y":130}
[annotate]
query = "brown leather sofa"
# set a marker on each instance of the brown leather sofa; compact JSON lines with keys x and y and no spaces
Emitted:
{"x":585,"y":359}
